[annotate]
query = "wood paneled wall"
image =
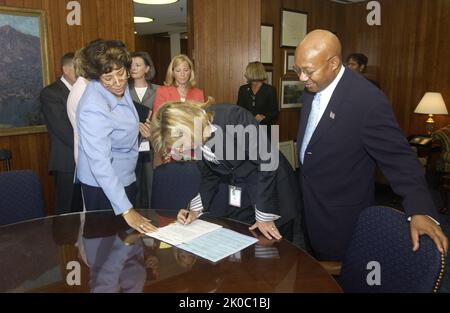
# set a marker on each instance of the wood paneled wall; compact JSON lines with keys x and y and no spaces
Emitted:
{"x":224,"y":36}
{"x":159,"y":50}
{"x":109,"y":19}
{"x":30,"y":151}
{"x":322,"y":14}
{"x":409,"y":53}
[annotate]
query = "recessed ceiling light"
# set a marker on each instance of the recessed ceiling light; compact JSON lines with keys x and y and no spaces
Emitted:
{"x":155,"y":1}
{"x":141,"y":19}
{"x":135,"y":32}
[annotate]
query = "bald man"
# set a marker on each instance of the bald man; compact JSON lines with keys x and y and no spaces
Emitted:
{"x":347,"y":127}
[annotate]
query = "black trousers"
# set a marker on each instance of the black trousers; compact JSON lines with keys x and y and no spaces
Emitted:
{"x":68,"y":195}
{"x":96,"y":200}
{"x":144,"y":180}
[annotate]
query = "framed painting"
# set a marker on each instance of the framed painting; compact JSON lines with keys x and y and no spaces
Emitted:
{"x":293,"y":27}
{"x":24,"y":67}
{"x":291,"y":92}
{"x":289,"y":62}
{"x":267,"y":44}
{"x":269,"y":77}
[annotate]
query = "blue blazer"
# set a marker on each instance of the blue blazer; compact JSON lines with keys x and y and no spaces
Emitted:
{"x":357,"y":131}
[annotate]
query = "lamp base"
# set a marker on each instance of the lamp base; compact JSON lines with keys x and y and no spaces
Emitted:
{"x":429,"y":126}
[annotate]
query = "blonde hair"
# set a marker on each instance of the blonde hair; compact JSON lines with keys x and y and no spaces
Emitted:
{"x":255,"y":71}
{"x":174,"y":118}
{"x":177,"y":60}
{"x":79,"y":63}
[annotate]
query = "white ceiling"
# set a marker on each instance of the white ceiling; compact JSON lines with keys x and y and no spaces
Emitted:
{"x":172,"y":18}
{"x":168,"y":18}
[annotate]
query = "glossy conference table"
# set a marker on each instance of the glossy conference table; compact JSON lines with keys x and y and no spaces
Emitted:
{"x":97,"y":252}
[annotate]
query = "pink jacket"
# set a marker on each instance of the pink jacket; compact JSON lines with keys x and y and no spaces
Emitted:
{"x":170,"y":93}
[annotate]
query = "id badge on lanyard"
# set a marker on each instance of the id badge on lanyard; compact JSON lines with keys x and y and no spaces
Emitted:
{"x":144,"y":145}
{"x":234,"y":197}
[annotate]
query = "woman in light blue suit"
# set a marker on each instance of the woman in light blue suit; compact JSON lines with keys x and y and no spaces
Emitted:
{"x":108,"y":127}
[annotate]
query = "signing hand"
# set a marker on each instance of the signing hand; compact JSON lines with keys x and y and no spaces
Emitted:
{"x":268,"y":229}
{"x":423,"y":225}
{"x":186,"y":217}
{"x":138,"y":222}
{"x":260,"y":117}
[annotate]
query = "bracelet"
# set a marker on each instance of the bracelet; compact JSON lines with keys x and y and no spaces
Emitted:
{"x":127,"y":211}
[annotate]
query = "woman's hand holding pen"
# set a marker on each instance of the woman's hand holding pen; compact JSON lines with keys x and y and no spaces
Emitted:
{"x":186,"y":216}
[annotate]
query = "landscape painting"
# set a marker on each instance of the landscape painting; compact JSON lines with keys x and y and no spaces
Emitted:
{"x":24,"y":66}
{"x":291,"y":93}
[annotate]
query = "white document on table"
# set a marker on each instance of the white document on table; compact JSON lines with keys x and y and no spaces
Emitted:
{"x":218,"y":244}
{"x":176,"y":233}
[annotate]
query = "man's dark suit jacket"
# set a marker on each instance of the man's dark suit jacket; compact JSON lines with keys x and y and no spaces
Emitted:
{"x":53,"y":100}
{"x":357,"y":131}
{"x":274,"y":192}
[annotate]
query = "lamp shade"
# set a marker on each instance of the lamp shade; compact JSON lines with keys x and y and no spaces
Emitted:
{"x":431,"y":103}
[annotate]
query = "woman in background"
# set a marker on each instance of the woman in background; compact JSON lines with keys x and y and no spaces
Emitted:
{"x":179,"y":84}
{"x":143,"y":93}
{"x":257,"y":96}
{"x":357,"y":62}
{"x":108,"y":127}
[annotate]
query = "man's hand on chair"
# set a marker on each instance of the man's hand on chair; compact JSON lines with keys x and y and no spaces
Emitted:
{"x":423,"y":225}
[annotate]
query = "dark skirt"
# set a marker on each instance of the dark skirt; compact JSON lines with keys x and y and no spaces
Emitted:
{"x":96,"y":200}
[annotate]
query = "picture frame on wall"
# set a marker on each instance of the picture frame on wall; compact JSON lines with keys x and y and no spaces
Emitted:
{"x":266,"y":43}
{"x":269,"y":77}
{"x":289,"y":62}
{"x":291,"y":92}
{"x":293,"y":27}
{"x":26,"y":70}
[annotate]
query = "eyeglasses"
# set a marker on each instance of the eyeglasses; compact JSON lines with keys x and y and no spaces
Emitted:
{"x":113,"y":77}
{"x":308,"y":74}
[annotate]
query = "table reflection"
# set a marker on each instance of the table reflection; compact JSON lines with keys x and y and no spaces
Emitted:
{"x":114,"y":258}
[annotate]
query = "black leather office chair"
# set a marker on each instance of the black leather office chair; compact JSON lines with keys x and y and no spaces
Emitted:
{"x":5,"y":159}
{"x":20,"y":197}
{"x":382,"y":235}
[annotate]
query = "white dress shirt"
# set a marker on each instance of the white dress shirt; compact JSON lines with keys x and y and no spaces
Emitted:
{"x":72,"y":104}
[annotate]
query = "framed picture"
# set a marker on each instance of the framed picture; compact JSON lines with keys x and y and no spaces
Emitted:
{"x":269,"y":77}
{"x":288,"y":150}
{"x":293,"y":27}
{"x":291,"y":92}
{"x":266,"y":44}
{"x":289,"y":61}
{"x":24,"y":66}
